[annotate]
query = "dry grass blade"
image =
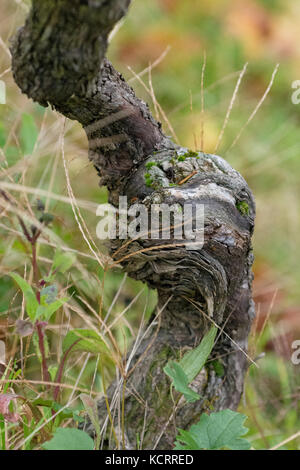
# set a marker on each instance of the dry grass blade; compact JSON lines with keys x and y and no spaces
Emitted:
{"x":289,"y":439}
{"x":219,"y":328}
{"x":140,"y":339}
{"x":5,"y":72}
{"x":145,"y":250}
{"x":176,"y":406}
{"x":76,"y":211}
{"x":256,"y":108}
{"x":152,"y":66}
{"x":163,"y":114}
{"x":154,"y":100}
{"x":202,"y":102}
{"x":211,"y":87}
{"x":88,"y":205}
{"x":115,"y":355}
{"x":267,"y":316}
{"x":4,"y":46}
{"x":82,"y":369}
{"x":115,"y":298}
{"x":226,"y":120}
{"x":27,"y":382}
{"x":118,"y":317}
{"x":21,"y":444}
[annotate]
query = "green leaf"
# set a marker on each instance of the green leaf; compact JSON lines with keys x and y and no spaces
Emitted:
{"x":46,"y":218}
{"x":49,"y":294}
{"x":180,"y":381}
{"x":30,"y":298}
{"x":53,"y":371}
{"x":189,"y":443}
{"x":63,"y":261}
{"x":184,"y":372}
{"x":28,"y":134}
{"x":218,"y":368}
{"x":45,"y":312}
{"x":69,"y":439}
{"x":66,"y":413}
{"x":194,"y":360}
{"x":85,"y":340}
{"x":12,"y":155}
{"x":221,"y":430}
{"x":2,"y":136}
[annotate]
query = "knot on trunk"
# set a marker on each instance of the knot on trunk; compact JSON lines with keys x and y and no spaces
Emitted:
{"x":194,"y":217}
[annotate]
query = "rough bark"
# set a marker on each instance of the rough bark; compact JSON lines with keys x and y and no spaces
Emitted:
{"x":58,"y":58}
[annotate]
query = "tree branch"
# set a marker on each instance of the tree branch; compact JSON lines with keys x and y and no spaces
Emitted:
{"x":59,"y":51}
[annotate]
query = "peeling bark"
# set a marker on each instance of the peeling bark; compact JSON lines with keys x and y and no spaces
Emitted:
{"x":58,"y":58}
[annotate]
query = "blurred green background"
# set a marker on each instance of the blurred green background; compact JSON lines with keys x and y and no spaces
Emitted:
{"x":175,"y":36}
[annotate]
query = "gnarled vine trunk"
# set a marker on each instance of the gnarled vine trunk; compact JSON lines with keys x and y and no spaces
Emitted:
{"x":58,"y":58}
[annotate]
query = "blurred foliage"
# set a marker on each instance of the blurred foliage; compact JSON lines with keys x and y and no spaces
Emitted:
{"x":229,"y":33}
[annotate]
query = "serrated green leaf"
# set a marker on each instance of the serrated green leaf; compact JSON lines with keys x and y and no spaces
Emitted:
{"x":180,"y":381}
{"x":69,"y":439}
{"x":194,"y":360}
{"x":30,"y":298}
{"x":85,"y":340}
{"x":28,"y":134}
{"x":221,"y":430}
{"x":63,"y":261}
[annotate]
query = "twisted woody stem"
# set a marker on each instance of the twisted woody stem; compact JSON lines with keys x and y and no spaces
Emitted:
{"x":58,"y":57}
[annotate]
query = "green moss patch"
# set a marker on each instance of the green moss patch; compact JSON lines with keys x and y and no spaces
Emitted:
{"x":242,"y":207}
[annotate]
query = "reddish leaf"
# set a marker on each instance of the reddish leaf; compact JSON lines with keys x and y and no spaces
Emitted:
{"x":24,"y":328}
{"x":5,"y":400}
